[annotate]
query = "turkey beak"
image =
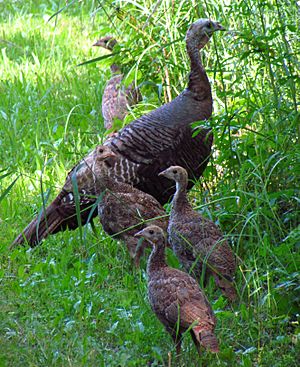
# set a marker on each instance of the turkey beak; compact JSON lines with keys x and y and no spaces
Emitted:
{"x":162,"y":173}
{"x":139,"y":234}
{"x":111,"y":155}
{"x":98,"y":43}
{"x":218,"y":27}
{"x":108,"y":155}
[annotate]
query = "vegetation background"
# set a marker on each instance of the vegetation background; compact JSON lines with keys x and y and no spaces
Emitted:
{"x":75,"y":300}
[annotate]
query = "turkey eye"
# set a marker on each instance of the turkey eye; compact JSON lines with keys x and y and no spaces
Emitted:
{"x":175,"y":171}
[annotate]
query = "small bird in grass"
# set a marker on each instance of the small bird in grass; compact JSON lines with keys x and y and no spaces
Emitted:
{"x":123,"y":209}
{"x":116,"y":98}
{"x":175,"y":297}
{"x":197,"y":240}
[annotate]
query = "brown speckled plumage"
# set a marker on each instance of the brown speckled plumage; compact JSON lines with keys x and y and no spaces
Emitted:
{"x":116,"y":97}
{"x":175,"y":297}
{"x":197,"y":240}
{"x":123,"y":209}
{"x":148,"y":145}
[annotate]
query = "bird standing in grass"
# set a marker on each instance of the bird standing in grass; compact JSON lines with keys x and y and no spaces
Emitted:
{"x":198,"y":242}
{"x":147,"y":146}
{"x":123,"y":209}
{"x":176,"y":299}
{"x":116,"y":98}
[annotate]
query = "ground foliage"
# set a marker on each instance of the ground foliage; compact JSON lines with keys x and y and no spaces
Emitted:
{"x":76,"y":300}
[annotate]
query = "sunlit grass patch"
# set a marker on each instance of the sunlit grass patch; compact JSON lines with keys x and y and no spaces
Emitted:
{"x":81,"y":303}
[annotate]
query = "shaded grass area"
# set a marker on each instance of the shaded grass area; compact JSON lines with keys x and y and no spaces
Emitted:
{"x":81,"y":303}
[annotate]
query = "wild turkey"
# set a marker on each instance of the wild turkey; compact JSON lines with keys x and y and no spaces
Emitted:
{"x":123,"y":209}
{"x":197,"y":240}
{"x":176,"y":299}
{"x":116,"y":98}
{"x":147,"y":145}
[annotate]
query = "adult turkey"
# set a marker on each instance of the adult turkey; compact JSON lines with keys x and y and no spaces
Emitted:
{"x":176,"y":299}
{"x":116,"y":97}
{"x":123,"y":209}
{"x":146,"y":146}
{"x":197,"y":240}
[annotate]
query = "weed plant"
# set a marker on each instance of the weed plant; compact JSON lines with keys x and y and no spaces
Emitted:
{"x":76,"y":300}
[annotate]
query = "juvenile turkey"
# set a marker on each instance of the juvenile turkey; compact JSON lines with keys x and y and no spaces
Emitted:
{"x":123,"y":209}
{"x":116,"y":98}
{"x":176,"y":299}
{"x":148,"y":145}
{"x":197,"y":240}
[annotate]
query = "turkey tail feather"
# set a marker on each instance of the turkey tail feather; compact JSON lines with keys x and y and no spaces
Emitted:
{"x":40,"y":227}
{"x":55,"y":218}
{"x":206,"y":338}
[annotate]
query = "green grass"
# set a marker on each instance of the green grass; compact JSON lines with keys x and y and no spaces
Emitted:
{"x":80,"y":303}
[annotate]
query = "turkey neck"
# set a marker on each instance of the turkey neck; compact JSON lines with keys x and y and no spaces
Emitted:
{"x":193,"y":104}
{"x":180,"y":202}
{"x":157,"y":259}
{"x":198,"y":80}
{"x":105,"y":181}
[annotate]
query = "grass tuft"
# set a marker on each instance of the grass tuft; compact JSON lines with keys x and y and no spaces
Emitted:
{"x":76,"y":300}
